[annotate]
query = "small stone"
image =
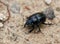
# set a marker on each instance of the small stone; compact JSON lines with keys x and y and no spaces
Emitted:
{"x":49,"y":12}
{"x":48,"y":1}
{"x":1,"y":24}
{"x":2,"y":17}
{"x":15,"y":8}
{"x":58,"y":9}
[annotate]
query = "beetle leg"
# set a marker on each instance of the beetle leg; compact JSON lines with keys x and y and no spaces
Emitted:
{"x":25,"y":25}
{"x":39,"y":28}
{"x":48,"y":23}
{"x":31,"y":29}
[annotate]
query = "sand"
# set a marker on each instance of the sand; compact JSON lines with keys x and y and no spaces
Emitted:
{"x":13,"y":31}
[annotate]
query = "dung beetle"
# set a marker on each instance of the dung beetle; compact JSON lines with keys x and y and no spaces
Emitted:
{"x":36,"y":20}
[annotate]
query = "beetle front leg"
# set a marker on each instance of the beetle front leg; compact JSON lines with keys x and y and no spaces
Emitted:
{"x":31,"y":29}
{"x":39,"y":30}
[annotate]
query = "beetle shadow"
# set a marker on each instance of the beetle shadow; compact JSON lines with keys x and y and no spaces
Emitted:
{"x":35,"y":31}
{"x":42,"y":27}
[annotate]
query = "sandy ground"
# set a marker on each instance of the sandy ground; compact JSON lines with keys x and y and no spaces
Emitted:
{"x":13,"y":31}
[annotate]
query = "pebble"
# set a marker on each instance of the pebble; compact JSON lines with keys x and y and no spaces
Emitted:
{"x":15,"y":8}
{"x":1,"y":24}
{"x":48,"y":1}
{"x":57,"y":8}
{"x":49,"y":12}
{"x":2,"y":17}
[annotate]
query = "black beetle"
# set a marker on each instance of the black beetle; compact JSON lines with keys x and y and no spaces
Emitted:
{"x":36,"y":20}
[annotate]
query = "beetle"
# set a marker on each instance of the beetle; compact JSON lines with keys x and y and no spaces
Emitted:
{"x":36,"y":19}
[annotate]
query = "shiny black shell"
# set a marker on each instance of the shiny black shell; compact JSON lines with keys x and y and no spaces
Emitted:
{"x":36,"y":19}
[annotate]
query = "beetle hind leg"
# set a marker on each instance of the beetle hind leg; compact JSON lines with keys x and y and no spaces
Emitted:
{"x":48,"y":23}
